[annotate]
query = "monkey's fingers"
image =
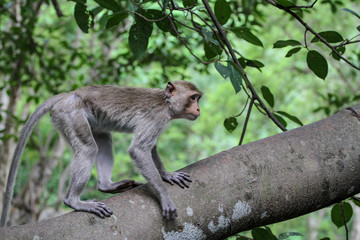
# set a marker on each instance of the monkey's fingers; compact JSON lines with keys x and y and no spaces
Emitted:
{"x":169,"y":213}
{"x":168,"y":180}
{"x":179,"y":182}
{"x":102,"y":212}
{"x":185,"y":176}
{"x":182,"y":179}
{"x":99,"y":209}
{"x":187,"y":185}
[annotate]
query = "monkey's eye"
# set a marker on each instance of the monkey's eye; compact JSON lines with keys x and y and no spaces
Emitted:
{"x":193,"y":97}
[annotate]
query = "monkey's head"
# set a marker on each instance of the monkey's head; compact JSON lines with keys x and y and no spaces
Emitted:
{"x":183,"y":99}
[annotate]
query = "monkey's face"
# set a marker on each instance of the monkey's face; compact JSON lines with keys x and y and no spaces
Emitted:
{"x":186,"y":106}
{"x":183,"y":98}
{"x":192,"y":109}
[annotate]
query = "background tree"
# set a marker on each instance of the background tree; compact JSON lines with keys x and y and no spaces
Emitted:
{"x":151,"y":42}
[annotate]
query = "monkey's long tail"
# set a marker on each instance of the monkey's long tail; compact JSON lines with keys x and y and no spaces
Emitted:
{"x":29,"y":125}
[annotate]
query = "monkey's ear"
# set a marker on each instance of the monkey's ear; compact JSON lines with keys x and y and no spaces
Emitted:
{"x":170,"y":90}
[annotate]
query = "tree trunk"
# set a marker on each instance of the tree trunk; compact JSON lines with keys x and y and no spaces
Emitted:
{"x":267,"y":181}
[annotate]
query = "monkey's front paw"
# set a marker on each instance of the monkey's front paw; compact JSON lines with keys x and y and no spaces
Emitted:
{"x":180,"y":178}
{"x":92,"y":206}
{"x":169,"y":210}
{"x":98,"y":208}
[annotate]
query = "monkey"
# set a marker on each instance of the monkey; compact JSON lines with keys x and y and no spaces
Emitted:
{"x":86,"y":117}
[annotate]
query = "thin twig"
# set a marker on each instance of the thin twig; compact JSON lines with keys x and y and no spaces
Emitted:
{"x":344,"y":217}
{"x":57,"y":8}
{"x":236,"y":61}
{"x":147,"y":19}
{"x":187,"y":26}
{"x":245,"y":105}
{"x":346,"y":42}
{"x":356,"y":198}
{"x":309,"y":6}
{"x":184,"y":43}
{"x":212,"y":29}
{"x":246,"y":121}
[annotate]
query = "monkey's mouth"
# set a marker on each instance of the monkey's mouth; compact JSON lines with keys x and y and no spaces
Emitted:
{"x":192,"y":116}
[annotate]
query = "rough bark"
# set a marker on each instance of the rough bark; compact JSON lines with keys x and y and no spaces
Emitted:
{"x":267,"y":181}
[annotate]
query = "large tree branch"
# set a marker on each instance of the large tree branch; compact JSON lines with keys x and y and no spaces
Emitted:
{"x":267,"y":181}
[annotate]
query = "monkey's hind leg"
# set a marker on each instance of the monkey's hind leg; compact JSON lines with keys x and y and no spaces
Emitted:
{"x":75,"y":128}
{"x":105,"y":165}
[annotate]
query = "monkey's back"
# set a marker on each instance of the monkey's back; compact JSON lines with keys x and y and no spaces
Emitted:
{"x":121,"y":109}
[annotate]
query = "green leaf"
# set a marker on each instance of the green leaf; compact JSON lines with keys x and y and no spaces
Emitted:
{"x":96,"y":11}
{"x":115,"y":19}
{"x":337,"y":216}
{"x":109,"y":4}
{"x":222,"y":11}
{"x":291,"y":117}
{"x":329,"y":36}
{"x":285,"y":43}
{"x":271,"y":235}
{"x":232,"y":71}
{"x":356,"y":202}
{"x":268,"y":96}
{"x":139,"y":37}
{"x":280,"y":119}
{"x":82,"y":17}
{"x":292,"y":51}
{"x":211,"y":50}
{"x":235,"y":76}
{"x":242,"y":62}
{"x":340,"y":50}
{"x":358,"y":28}
{"x":165,"y":3}
{"x":262,"y":234}
{"x":255,"y":63}
{"x":164,"y":24}
{"x":209,"y":53}
{"x":208,"y":36}
{"x":299,"y":12}
{"x":245,"y":34}
{"x":230,"y":124}
{"x":325,"y":238}
{"x":352,"y":12}
{"x":317,"y":63}
{"x":223,"y":70}
{"x":285,"y":3}
{"x":189,"y":3}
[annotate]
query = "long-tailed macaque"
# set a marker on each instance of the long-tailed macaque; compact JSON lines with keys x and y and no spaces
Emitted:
{"x":85,"y":118}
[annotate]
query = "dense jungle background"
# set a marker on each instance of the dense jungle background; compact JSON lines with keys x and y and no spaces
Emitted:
{"x":48,"y":47}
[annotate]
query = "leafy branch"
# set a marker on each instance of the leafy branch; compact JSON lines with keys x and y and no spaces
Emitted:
{"x":208,"y":24}
{"x":236,"y":61}
{"x":288,"y":10}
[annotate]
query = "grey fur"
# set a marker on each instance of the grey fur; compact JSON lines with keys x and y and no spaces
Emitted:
{"x":85,"y":118}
